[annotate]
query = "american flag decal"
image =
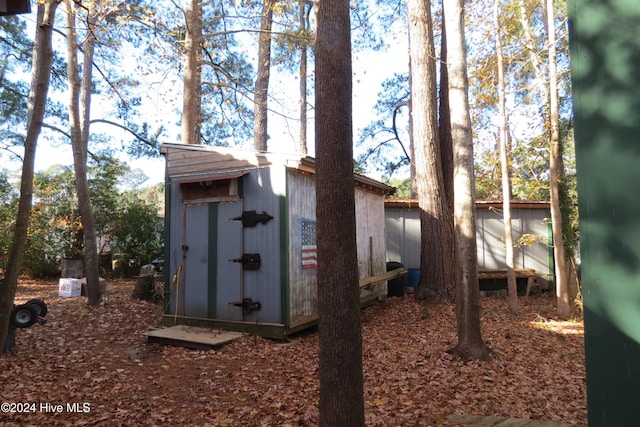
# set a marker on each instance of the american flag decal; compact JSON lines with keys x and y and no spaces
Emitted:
{"x":309,"y":247}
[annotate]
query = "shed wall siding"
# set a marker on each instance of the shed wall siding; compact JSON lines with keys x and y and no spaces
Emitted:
{"x":402,"y":234}
{"x":370,"y":224}
{"x":403,"y":238}
{"x":263,"y":188}
{"x":303,"y":298}
{"x":369,"y":238}
{"x":490,"y":239}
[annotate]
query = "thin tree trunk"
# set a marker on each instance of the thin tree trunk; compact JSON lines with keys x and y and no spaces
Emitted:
{"x":261,"y":90}
{"x":556,"y":173}
{"x":79,"y":149}
{"x":303,"y":79}
{"x":529,"y":43}
{"x":437,"y":261}
{"x":339,"y":327}
{"x":192,"y":94}
{"x":446,"y":143}
{"x":413,"y":192}
{"x":40,"y":78}
{"x":470,"y":343}
{"x":92,"y":263}
{"x":512,"y":286}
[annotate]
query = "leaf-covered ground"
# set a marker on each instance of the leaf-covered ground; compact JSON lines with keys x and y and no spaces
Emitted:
{"x":97,"y":365}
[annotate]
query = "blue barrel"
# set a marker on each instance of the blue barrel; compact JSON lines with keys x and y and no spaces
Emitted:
{"x":414,"y":278}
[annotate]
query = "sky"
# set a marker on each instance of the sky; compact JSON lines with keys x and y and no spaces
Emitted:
{"x":370,"y":69}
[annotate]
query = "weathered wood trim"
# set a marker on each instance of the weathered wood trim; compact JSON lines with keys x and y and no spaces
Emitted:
{"x":208,"y":177}
{"x":501,"y":273}
{"x":212,"y":262}
{"x":285,"y":288}
{"x":167,"y":245}
{"x":378,"y":278}
{"x":267,"y":330}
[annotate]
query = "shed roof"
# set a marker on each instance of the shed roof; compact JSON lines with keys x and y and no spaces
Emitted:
{"x":190,"y":162}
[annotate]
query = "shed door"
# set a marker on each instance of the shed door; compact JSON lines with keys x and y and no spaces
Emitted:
{"x":211,"y":280}
{"x":196,"y":257}
{"x":228,"y":274}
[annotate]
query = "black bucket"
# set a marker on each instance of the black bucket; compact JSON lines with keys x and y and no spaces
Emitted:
{"x":395,"y":286}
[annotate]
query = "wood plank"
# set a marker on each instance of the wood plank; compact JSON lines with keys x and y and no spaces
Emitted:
{"x":497,"y":421}
{"x":477,"y":420}
{"x":501,"y":273}
{"x":276,"y":331}
{"x":368,"y":281}
{"x":192,"y":336}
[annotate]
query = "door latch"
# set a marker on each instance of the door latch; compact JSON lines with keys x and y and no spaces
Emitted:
{"x":248,"y":305}
{"x":248,"y":261}
{"x":252,"y":218}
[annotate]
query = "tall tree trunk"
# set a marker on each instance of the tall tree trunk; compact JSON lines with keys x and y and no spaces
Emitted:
{"x":261,"y":89}
{"x":192,"y":94}
{"x":91,"y":262}
{"x":556,"y":173}
{"x":446,"y":143}
{"x":79,"y":149}
{"x":512,"y":286}
{"x":437,"y":263}
{"x":339,"y":327}
{"x":413,"y":191}
{"x":470,"y":343}
{"x":40,"y":78}
{"x":302,"y":75}
{"x":532,"y":51}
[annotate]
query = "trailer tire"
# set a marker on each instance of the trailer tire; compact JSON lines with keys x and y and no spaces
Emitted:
{"x":40,"y":306}
{"x":24,"y":315}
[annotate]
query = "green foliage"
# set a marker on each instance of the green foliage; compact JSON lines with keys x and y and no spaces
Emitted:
{"x":8,"y":208}
{"x":128,"y":222}
{"x":402,"y":186}
{"x":569,"y":194}
{"x":15,"y":54}
{"x":137,"y":236}
{"x":529,"y":166}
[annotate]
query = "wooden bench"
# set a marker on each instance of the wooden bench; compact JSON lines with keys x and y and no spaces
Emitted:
{"x":368,"y":282}
{"x":501,"y":273}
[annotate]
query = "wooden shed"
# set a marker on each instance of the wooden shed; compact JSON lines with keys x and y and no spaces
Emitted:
{"x":241,"y":239}
{"x":531,"y":222}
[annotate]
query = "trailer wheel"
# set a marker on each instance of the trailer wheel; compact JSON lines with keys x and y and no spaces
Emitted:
{"x":40,"y":305}
{"x":24,"y":315}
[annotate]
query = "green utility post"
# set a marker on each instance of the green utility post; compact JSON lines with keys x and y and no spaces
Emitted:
{"x":605,"y":67}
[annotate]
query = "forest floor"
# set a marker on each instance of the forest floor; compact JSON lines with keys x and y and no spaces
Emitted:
{"x":93,"y":366}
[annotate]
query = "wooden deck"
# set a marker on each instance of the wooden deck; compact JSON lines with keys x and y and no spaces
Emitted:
{"x":493,"y":421}
{"x":501,"y":273}
{"x":192,"y":336}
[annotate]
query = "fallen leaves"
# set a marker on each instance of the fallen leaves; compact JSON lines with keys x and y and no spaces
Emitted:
{"x":100,"y":356}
